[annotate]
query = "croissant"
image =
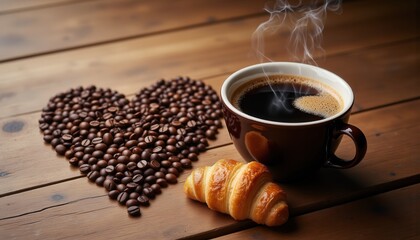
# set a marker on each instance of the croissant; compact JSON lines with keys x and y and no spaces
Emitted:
{"x":240,"y":190}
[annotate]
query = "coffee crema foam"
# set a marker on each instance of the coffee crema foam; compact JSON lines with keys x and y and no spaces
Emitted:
{"x":325,"y":103}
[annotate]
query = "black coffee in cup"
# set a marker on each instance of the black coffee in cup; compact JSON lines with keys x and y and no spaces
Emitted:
{"x":287,"y":98}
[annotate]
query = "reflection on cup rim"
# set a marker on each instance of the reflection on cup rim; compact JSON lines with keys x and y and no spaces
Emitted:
{"x":305,"y":70}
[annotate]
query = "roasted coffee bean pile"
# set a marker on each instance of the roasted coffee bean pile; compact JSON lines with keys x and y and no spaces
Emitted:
{"x":133,"y":148}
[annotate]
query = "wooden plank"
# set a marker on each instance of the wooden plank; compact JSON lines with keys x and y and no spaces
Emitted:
{"x":28,"y":154}
{"x":90,"y":22}
{"x":43,"y":212}
{"x":207,"y":51}
{"x":392,"y":215}
{"x":380,"y":75}
{"x":19,"y":5}
{"x":18,"y":160}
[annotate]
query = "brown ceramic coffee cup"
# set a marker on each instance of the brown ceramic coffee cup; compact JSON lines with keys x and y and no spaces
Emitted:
{"x":291,"y":150}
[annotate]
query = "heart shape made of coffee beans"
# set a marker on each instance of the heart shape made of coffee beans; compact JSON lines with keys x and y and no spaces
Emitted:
{"x":133,"y":148}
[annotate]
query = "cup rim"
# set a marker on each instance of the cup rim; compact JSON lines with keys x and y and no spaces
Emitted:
{"x":225,"y":100}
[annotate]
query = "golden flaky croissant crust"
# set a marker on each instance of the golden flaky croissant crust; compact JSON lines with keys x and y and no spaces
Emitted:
{"x":240,"y":190}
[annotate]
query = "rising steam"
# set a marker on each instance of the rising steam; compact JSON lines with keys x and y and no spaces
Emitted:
{"x":305,"y":23}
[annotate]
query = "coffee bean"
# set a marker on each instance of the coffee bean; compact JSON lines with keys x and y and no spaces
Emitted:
{"x":131,"y":166}
{"x":108,"y":139}
{"x":96,"y":140}
{"x":176,"y":123}
{"x":113,"y":194}
{"x":84,"y":168}
{"x":166,"y":163}
{"x":74,"y":161}
{"x":160,"y":143}
{"x":121,"y":167}
{"x":186,"y":163}
{"x":150,"y":179}
{"x":143,"y":200}
{"x":48,"y":138}
{"x":171,"y":178}
{"x":134,"y":195}
{"x":138,"y":178}
{"x":171,"y":141}
{"x":101,"y":163}
{"x":158,"y":147}
{"x":128,"y":173}
{"x":87,"y":150}
{"x":122,"y":197}
{"x":162,"y":182}
{"x":154,"y":127}
{"x":171,"y":148}
{"x":94,"y":123}
{"x":181,"y":131}
{"x":193,"y":149}
{"x":131,"y":143}
{"x":132,"y":202}
{"x":109,"y":184}
{"x":177,"y":165}
{"x":112,"y":109}
{"x":201,"y":147}
{"x":164,"y":129}
{"x":67,"y":137}
{"x":192,"y":124}
{"x":107,"y":116}
{"x":93,"y":175}
{"x":142,"y":164}
{"x":211,"y":134}
{"x":85,"y":142}
{"x":100,"y":180}
{"x":172,"y":130}
{"x":123,"y":159}
{"x":131,"y":185}
{"x":120,"y":187}
{"x":60,"y":149}
{"x":134,"y":211}
{"x":173,"y":171}
{"x":101,"y":146}
{"x":110,"y":169}
{"x":192,"y":156}
{"x":146,"y":154}
{"x":150,"y":139}
{"x":156,"y":188}
{"x":148,"y":192}
{"x":69,"y":154}
{"x":148,"y":172}
{"x":159,"y":174}
{"x":154,"y":164}
{"x":44,"y":126}
{"x":173,"y":159}
{"x":98,"y":154}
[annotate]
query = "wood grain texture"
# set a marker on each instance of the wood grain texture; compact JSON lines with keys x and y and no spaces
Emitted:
{"x":369,"y":218}
{"x":22,"y":5}
{"x":62,"y":207}
{"x":380,"y":89}
{"x":202,"y":52}
{"x":91,"y":22}
{"x":380,"y":75}
{"x":48,"y":46}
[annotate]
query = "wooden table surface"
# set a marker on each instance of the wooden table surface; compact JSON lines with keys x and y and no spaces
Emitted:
{"x":49,"y":46}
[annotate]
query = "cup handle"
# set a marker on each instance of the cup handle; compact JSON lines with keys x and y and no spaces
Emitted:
{"x":360,"y":143}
